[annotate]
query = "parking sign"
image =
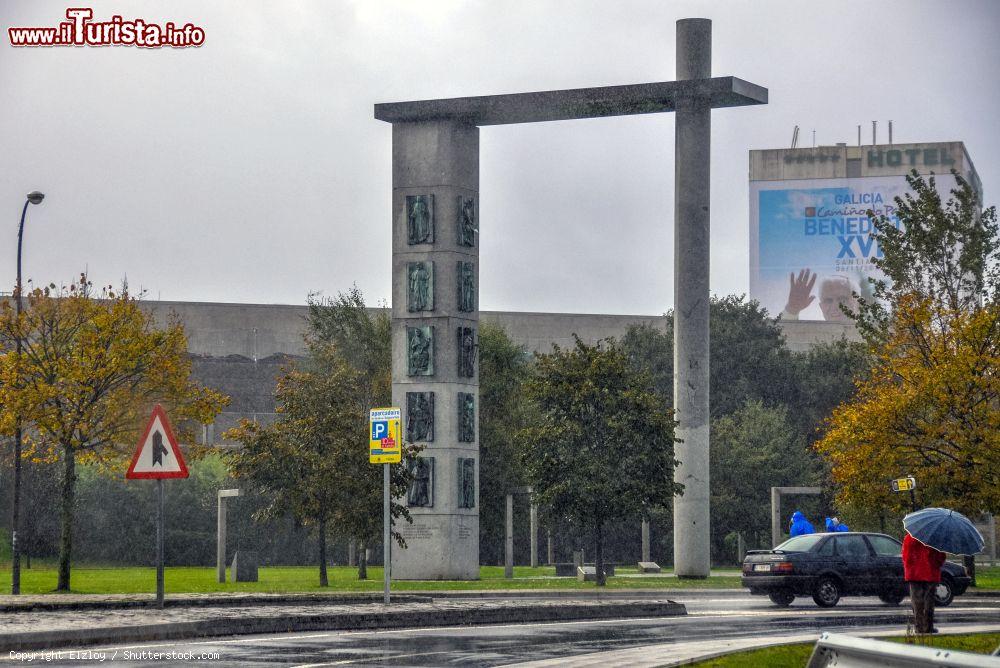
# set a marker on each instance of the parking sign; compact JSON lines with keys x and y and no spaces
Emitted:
{"x":384,"y":436}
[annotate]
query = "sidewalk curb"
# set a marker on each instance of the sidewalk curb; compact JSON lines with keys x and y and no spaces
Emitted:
{"x":336,"y":622}
{"x":988,"y":593}
{"x":409,"y":596}
{"x":336,"y":598}
{"x":581,"y":593}
{"x":206,"y":601}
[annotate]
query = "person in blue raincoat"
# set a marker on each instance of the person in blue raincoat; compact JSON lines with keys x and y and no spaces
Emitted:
{"x":833,"y":525}
{"x":800,"y":526}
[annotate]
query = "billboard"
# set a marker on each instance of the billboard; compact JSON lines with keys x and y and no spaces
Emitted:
{"x":811,"y":245}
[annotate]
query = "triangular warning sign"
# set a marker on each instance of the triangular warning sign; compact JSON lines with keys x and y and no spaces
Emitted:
{"x":157,"y":455}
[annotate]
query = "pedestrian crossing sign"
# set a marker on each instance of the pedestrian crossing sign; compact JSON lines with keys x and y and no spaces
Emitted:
{"x":385,"y":438}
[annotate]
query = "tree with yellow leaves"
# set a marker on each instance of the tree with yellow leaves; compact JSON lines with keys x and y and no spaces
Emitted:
{"x":931,"y":404}
{"x":89,"y":369}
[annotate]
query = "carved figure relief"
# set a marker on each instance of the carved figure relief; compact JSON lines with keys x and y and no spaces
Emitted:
{"x":420,"y":350}
{"x":466,"y":287}
{"x":420,"y":286}
{"x":420,"y":219}
{"x":466,"y":482}
{"x":467,"y":227}
{"x":466,"y":417}
{"x":466,"y":352}
{"x":419,"y":416}
{"x":421,"y":493}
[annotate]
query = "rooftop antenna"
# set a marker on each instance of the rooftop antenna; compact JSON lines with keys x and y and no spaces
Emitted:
{"x":795,"y":136}
{"x":814,"y":139}
{"x":874,"y":141}
{"x":859,"y":135}
{"x":890,"y":133}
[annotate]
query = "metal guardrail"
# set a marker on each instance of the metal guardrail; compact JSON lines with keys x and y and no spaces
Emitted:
{"x":844,"y":651}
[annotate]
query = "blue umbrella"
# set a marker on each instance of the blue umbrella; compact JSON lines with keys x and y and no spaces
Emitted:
{"x":944,"y":530}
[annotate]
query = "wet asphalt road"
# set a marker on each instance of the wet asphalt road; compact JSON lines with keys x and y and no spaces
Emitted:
{"x":709,"y":618}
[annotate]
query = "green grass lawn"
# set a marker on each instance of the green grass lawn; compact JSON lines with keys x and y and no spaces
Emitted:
{"x":988,"y":578}
{"x":41,"y":579}
{"x":796,"y":656}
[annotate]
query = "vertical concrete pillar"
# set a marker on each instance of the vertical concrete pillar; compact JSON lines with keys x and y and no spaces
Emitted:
{"x":220,"y":536}
{"x":691,"y":302}
{"x":775,"y":516}
{"x":534,"y":535}
{"x":220,"y":541}
{"x":645,"y":539}
{"x":508,"y":561}
{"x":550,"y":552}
{"x":436,"y":164}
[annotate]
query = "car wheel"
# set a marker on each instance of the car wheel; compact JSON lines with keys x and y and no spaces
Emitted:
{"x":944,"y":592}
{"x":827,"y":592}
{"x":891,"y":599}
{"x":782,"y":599}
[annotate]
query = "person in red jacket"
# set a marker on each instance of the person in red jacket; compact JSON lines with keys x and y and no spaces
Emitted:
{"x":922,"y":569}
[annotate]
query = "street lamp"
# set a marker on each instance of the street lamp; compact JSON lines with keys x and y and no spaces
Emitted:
{"x":34,"y":197}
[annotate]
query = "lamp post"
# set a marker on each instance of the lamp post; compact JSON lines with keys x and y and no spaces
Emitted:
{"x":34,"y":197}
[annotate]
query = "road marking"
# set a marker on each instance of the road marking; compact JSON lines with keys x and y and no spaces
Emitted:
{"x":386,"y":657}
{"x":207,"y":642}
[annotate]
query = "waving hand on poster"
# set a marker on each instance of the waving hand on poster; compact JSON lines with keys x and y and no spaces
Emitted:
{"x":834,"y":292}
{"x":799,"y":294}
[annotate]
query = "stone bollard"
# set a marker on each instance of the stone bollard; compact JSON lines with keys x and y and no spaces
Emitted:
{"x":244,"y":568}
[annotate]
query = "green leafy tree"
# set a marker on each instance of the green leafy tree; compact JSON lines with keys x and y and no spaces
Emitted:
{"x":603,"y":446}
{"x":825,"y":377}
{"x":363,"y":338}
{"x":753,"y":449}
{"x":88,"y":372}
{"x":931,"y":405}
{"x":947,"y":253}
{"x":758,"y":384}
{"x":749,"y":356}
{"x":504,"y":367}
{"x":313,"y":462}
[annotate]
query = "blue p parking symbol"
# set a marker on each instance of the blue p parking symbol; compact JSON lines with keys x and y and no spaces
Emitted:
{"x":380,"y":430}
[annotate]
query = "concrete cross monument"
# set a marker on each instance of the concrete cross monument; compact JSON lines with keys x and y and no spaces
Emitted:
{"x":435,"y":209}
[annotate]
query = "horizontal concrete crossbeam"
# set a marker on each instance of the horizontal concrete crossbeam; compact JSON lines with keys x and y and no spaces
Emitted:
{"x":561,"y":105}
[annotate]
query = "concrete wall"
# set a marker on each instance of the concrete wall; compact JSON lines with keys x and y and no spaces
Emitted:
{"x":240,"y":349}
{"x":258,"y":331}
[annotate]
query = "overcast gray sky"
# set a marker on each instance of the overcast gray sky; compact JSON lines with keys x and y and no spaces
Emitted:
{"x":252,"y":170}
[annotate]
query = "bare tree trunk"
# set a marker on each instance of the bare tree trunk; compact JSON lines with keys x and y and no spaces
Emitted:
{"x":323,"y":579}
{"x":66,"y":539}
{"x":363,"y":561}
{"x":599,"y":552}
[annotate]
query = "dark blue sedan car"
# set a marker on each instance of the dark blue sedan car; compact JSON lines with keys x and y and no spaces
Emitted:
{"x":827,"y":566}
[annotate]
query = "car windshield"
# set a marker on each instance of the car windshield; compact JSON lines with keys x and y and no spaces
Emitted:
{"x":800,"y":543}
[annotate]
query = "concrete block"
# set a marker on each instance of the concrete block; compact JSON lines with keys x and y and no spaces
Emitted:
{"x":565,"y":570}
{"x":244,"y":567}
{"x":649,"y":567}
{"x":588,"y":573}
